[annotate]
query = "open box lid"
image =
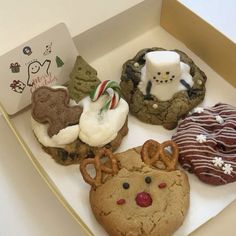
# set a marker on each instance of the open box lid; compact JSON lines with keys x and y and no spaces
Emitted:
{"x":214,"y":47}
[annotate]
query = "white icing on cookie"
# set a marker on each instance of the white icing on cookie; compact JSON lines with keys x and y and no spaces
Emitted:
{"x":98,"y":129}
{"x":94,"y":129}
{"x":65,"y":136}
{"x":164,"y":70}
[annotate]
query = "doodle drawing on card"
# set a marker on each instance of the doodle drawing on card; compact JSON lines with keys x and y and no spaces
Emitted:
{"x":15,"y":67}
{"x":48,"y":49}
{"x":37,"y":70}
{"x":27,"y":50}
{"x":17,"y":86}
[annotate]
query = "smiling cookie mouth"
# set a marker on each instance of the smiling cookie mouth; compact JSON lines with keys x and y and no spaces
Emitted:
{"x":143,"y":199}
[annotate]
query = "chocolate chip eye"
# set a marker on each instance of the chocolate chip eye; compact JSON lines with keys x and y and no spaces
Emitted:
{"x":166,"y":81}
{"x":167,"y":72}
{"x":157,"y":80}
{"x":161,"y":81}
{"x":173,"y":76}
{"x":158,"y":73}
{"x":125,"y":185}
{"x":154,"y":77}
{"x":148,"y":179}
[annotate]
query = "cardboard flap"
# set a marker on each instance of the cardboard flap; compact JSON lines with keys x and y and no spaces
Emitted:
{"x":46,"y":59}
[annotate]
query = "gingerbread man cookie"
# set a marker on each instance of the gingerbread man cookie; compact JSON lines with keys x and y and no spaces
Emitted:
{"x":130,"y":195}
{"x":52,"y":106}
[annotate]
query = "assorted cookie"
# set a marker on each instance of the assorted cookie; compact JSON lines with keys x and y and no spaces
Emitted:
{"x":162,"y":86}
{"x":207,"y":143}
{"x":140,"y":188}
{"x":76,"y":122}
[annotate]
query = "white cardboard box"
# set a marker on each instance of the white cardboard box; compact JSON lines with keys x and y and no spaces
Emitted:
{"x":106,"y":47}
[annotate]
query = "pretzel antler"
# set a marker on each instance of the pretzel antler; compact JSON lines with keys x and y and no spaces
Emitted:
{"x":99,"y":167}
{"x":170,"y":159}
{"x":152,"y":151}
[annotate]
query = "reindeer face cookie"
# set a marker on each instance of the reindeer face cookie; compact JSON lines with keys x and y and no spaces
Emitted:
{"x":132,"y":196}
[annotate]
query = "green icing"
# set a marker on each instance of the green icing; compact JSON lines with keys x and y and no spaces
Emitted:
{"x":83,"y":80}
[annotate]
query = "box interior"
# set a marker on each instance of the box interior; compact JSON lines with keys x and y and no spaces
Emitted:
{"x":106,"y":47}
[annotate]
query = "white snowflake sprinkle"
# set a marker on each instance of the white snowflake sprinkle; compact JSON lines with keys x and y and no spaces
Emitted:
{"x":198,"y":110}
{"x":219,"y":119}
{"x":155,"y":106}
{"x":201,"y":138}
{"x":218,"y":162}
{"x":227,"y":168}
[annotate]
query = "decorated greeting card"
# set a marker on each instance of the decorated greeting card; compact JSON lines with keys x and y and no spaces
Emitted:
{"x":46,"y":60}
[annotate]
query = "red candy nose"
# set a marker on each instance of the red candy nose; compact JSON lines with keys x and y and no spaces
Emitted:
{"x":143,"y":199}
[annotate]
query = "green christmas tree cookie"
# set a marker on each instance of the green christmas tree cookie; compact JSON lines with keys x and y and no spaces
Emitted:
{"x":83,"y":79}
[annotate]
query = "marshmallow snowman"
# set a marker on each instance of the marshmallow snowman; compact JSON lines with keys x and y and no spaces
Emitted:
{"x":164,"y":75}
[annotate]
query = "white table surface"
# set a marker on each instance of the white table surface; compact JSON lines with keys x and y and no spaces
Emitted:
{"x":27,"y":206}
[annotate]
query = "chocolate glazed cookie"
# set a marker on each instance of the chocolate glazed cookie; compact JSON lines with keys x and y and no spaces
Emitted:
{"x":149,"y":108}
{"x":207,"y":143}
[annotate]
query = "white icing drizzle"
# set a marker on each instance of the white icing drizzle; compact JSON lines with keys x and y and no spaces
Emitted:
{"x":216,"y":176}
{"x":208,"y":158}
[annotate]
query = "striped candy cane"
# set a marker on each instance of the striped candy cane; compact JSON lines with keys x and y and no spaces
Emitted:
{"x":110,"y":87}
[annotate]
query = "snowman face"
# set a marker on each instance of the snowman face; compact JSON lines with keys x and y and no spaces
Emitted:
{"x":34,"y":67}
{"x":162,"y":67}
